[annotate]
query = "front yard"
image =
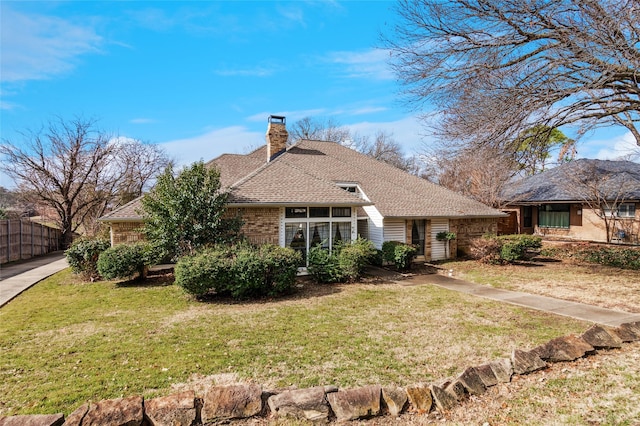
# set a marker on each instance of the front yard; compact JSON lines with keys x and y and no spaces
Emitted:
{"x":64,"y":342}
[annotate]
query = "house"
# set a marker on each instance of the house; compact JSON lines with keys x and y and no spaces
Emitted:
{"x":593,"y":200}
{"x":317,"y":192}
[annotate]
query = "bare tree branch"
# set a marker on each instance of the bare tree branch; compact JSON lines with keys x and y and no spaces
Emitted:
{"x":494,"y":68}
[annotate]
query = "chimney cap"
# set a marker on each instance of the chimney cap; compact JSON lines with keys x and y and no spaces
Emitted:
{"x":279,"y":119}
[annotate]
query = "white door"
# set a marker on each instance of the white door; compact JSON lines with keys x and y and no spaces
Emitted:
{"x":438,"y":251}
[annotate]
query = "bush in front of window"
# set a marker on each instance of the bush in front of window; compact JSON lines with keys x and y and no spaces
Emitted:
{"x":242,"y":271}
{"x":345,"y":263}
{"x":352,"y":258}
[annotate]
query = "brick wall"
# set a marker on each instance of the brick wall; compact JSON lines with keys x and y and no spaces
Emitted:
{"x":261,"y":224}
{"x":469,"y":229}
{"x":126,"y":232}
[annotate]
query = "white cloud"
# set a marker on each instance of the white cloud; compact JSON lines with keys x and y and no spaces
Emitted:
{"x":142,"y":121}
{"x":233,"y":140}
{"x":617,"y":147}
{"x":370,"y":64}
{"x":37,"y":47}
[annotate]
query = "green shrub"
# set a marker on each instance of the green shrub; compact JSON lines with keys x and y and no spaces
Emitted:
{"x":209,"y":270}
{"x":400,"y":254}
{"x":352,"y":258}
{"x":345,"y":263}
{"x":323,"y":265}
{"x":83,"y":257}
{"x":126,"y":260}
{"x":241,"y":271}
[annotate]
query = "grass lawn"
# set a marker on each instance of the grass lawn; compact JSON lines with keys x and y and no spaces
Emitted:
{"x":64,"y":342}
{"x":598,"y":285}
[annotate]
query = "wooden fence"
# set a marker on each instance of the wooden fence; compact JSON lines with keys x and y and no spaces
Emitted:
{"x":23,"y":239}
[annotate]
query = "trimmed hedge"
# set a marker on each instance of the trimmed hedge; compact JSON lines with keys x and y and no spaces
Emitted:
{"x":345,"y":263}
{"x":126,"y":260}
{"x":83,"y":257}
{"x":241,"y":271}
{"x":400,"y":254}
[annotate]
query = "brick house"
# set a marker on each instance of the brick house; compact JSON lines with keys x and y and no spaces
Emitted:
{"x":317,"y":192}
{"x":573,"y":200}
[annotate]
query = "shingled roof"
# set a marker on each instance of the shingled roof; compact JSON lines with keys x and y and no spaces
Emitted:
{"x":613,"y":180}
{"x":128,"y":212}
{"x":310,"y":173}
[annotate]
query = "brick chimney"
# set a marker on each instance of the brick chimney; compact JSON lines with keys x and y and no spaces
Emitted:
{"x":276,"y":136}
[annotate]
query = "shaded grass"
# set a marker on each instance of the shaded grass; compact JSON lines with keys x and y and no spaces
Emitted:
{"x":64,"y":342}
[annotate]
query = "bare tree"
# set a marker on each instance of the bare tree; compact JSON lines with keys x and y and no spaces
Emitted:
{"x":481,"y":174}
{"x":318,"y":129}
{"x":494,"y":68}
{"x":383,"y":147}
{"x":73,"y":168}
{"x":139,"y":164}
{"x":604,"y":186}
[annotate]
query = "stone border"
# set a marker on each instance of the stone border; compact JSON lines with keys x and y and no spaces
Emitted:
{"x":225,"y":403}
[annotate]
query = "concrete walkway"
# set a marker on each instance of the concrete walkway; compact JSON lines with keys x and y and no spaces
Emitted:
{"x":576,"y":310}
{"x":18,"y":277}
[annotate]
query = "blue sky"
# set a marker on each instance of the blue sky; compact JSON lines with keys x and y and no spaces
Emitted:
{"x":200,"y":78}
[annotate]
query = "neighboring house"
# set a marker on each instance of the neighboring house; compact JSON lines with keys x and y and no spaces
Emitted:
{"x":317,"y":192}
{"x":594,"y":200}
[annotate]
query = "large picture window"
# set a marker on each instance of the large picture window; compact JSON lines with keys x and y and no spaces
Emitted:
{"x":553,"y":216}
{"x":307,"y":227}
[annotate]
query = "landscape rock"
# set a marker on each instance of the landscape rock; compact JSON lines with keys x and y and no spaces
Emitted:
{"x":310,"y":404}
{"x":115,"y":412}
{"x":173,"y":410}
{"x":472,"y":381}
{"x":395,"y":400}
{"x":353,"y":404}
{"x":629,"y":332}
{"x":33,"y":420}
{"x":503,"y":369}
{"x":565,"y":348}
{"x":601,"y":338}
{"x":444,"y":401}
{"x":456,"y":389}
{"x":526,"y":362}
{"x":420,"y":397}
{"x":228,"y":402}
{"x":487,"y":375}
{"x":75,"y":418}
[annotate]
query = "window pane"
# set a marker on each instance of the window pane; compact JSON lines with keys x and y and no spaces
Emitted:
{"x":341,"y":212}
{"x":527,"y":214}
{"x":552,"y":219}
{"x":319,"y":212}
{"x":295,"y":212}
{"x":417,"y":235}
{"x":319,"y":232}
{"x":296,"y":238}
{"x":341,"y":232}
